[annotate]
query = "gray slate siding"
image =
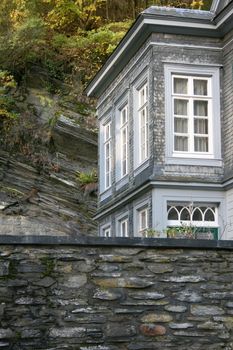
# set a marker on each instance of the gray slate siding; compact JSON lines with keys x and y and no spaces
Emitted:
{"x":228,"y":105}
{"x":159,"y":50}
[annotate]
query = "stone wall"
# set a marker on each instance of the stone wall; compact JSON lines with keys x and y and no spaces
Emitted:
{"x":115,"y":294}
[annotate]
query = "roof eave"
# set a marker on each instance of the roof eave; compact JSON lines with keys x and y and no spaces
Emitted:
{"x":145,"y":25}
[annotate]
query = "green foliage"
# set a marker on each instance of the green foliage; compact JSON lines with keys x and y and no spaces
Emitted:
{"x":87,"y":178}
{"x":7,"y":105}
{"x":71,"y":39}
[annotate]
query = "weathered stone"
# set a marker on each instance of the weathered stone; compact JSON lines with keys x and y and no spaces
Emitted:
{"x":30,"y":333}
{"x":85,"y":266}
{"x":131,"y":282}
{"x":227,"y":320}
{"x":219,"y":295}
{"x":45,"y":282}
{"x":116,"y":330}
{"x":72,"y":332}
{"x":76,"y":281}
{"x":175,"y":308}
{"x":115,"y":258}
{"x":145,"y":302}
{"x":202,"y":310}
{"x":128,"y":311}
{"x":210,"y":325}
{"x":98,"y":347}
{"x":160,"y":268}
{"x":4,"y":268}
{"x":152,"y":318}
{"x":30,"y":301}
{"x":6,"y":333}
{"x":107,"y":295}
{"x":229,"y":304}
{"x":147,"y":295}
{"x":189,"y":334}
{"x":224,"y":335}
{"x":152,"y":330}
{"x":181,"y":325}
{"x":27,"y":267}
{"x":189,"y":296}
{"x":183,"y":279}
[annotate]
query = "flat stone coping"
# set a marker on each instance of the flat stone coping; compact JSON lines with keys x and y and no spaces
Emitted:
{"x":116,"y":242}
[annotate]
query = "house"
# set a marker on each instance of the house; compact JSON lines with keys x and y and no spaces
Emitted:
{"x":165,"y":109}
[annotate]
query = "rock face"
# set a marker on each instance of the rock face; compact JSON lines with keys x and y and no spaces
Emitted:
{"x":51,"y":202}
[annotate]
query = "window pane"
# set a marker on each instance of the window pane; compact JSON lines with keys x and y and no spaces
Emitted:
{"x":143,"y":93}
{"x":185,"y":215}
{"x":124,"y":115}
{"x":180,"y":86}
{"x":201,"y":108}
{"x":201,"y":126}
{"x":209,"y":215}
{"x":181,"y":143}
{"x":197,"y":215}
{"x":201,"y":144}
{"x":181,"y":125}
{"x":200,"y":87}
{"x":173,"y":214}
{"x":143,"y":219}
{"x":180,"y":107}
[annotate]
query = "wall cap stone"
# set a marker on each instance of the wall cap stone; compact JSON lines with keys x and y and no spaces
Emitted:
{"x":116,"y":242}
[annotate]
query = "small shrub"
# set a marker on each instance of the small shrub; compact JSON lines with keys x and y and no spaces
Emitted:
{"x":87,"y":178}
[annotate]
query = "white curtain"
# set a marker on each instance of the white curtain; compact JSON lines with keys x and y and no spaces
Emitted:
{"x":180,"y":86}
{"x":180,"y":107}
{"x":200,"y":87}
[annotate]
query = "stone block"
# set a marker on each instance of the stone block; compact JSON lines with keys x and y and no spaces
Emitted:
{"x":76,"y":281}
{"x":181,"y":325}
{"x":6,"y":333}
{"x":153,"y":318}
{"x":72,"y":332}
{"x":4,"y":268}
{"x":183,"y":279}
{"x":107,"y":295}
{"x":152,"y":330}
{"x":115,"y":330}
{"x":130,"y":282}
{"x":45,"y":282}
{"x":175,"y":308}
{"x":203,"y":310}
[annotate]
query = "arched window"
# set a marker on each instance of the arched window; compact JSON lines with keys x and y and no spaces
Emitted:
{"x":195,"y":214}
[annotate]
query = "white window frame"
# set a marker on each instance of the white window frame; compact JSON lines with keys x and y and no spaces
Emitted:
{"x":124,"y":223}
{"x":141,"y":141}
{"x":191,"y":98}
{"x":141,"y":213}
{"x":192,"y":222}
{"x":124,"y":128}
{"x":107,"y":156}
{"x":106,"y":231}
{"x":143,"y":123}
{"x":213,"y":156}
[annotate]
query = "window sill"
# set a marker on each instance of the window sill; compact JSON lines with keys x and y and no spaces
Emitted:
{"x":199,"y":161}
{"x":105,"y":194}
{"x":123,"y":181}
{"x":141,"y":167}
